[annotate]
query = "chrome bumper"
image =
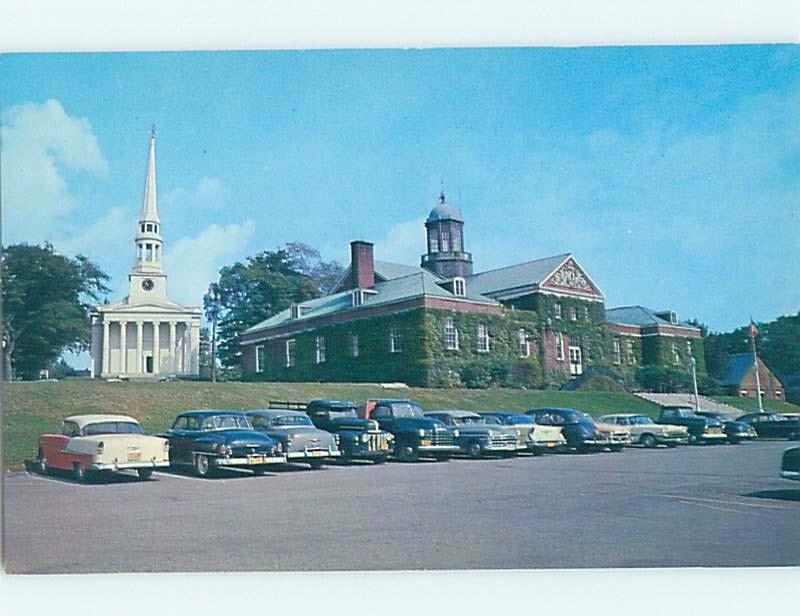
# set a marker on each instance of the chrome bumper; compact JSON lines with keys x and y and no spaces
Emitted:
{"x":115,"y":466}
{"x":438,"y":448}
{"x":790,"y":475}
{"x":314,"y":454}
{"x":250,"y":461}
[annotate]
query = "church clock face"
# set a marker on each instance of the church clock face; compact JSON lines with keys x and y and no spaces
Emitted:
{"x":147,"y":284}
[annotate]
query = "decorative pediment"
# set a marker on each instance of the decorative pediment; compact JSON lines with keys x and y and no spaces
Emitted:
{"x":570,"y":277}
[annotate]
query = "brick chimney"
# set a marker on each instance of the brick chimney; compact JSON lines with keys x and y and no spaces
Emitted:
{"x":362,"y":265}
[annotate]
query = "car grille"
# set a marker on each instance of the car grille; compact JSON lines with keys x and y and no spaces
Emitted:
{"x":714,"y":430}
{"x":442,"y":437}
{"x":503,"y":439}
{"x":378,"y":441}
{"x":243,"y":452}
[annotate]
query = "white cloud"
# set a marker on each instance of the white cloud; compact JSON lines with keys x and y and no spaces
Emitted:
{"x":39,"y":142}
{"x":193,"y":262}
{"x":208,"y":193}
{"x":404,"y":242}
{"x":104,"y":237}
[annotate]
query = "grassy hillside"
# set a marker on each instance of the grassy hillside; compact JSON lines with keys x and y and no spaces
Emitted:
{"x":30,"y":409}
{"x":749,"y":405}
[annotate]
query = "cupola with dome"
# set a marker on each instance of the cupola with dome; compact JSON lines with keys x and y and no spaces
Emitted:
{"x":445,"y":239}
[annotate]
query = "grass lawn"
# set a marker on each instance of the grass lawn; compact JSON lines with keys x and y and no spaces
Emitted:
{"x":749,"y":405}
{"x":30,"y":409}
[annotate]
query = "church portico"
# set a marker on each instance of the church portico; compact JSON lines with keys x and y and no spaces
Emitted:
{"x":146,"y":335}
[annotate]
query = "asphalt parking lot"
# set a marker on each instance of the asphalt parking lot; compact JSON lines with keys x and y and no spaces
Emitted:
{"x":691,"y":506}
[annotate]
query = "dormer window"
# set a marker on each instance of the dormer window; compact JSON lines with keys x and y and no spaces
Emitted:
{"x":357,"y":297}
{"x":295,"y":311}
{"x":459,"y":287}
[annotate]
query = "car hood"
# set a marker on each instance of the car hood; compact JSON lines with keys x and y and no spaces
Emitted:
{"x":238,"y":438}
{"x":353,"y":423}
{"x":478,"y":429}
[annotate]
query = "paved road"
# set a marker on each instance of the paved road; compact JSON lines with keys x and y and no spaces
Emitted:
{"x":694,"y":506}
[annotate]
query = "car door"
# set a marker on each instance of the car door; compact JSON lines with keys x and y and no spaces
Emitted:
{"x":383,"y":415}
{"x":182,"y":438}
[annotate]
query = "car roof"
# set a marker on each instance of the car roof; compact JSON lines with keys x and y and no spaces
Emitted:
{"x":85,"y":420}
{"x":624,"y":415}
{"x":275,"y":412}
{"x":207,"y":412}
{"x":453,"y":413}
{"x":503,"y":413}
{"x":391,"y":401}
{"x":333,"y":403}
{"x":556,"y":409}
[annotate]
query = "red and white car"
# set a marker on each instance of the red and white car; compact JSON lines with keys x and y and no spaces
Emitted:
{"x":95,"y":443}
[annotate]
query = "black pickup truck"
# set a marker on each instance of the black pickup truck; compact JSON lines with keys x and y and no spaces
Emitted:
{"x":701,"y":429}
{"x":359,"y":439}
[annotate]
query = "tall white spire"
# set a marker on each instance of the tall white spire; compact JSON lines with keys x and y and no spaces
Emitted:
{"x":149,"y":203}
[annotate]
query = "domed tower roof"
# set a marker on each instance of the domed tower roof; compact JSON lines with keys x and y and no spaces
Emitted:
{"x":445,"y":211}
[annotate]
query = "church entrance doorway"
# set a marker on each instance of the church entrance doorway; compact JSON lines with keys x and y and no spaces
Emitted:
{"x":148,"y":364}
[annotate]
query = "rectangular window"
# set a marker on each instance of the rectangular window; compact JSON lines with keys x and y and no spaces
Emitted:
{"x":459,"y":287}
{"x":358,"y":297}
{"x":483,"y":339}
{"x":450,"y":335}
{"x":557,"y":310}
{"x":259,"y":359}
{"x":586,"y":313}
{"x":630,"y":352}
{"x":524,"y":344}
{"x":559,"y":347}
{"x":395,"y":340}
{"x":294,"y":311}
{"x":676,"y":357}
{"x":457,"y":242}
{"x":320,"y":349}
{"x":354,"y":345}
{"x":445,"y":240}
{"x":575,"y":361}
{"x":433,"y":240}
{"x":743,"y":393}
{"x":573,"y":313}
{"x":617,"y":351}
{"x":289,"y":353}
{"x":149,"y":249}
{"x":689,"y":349}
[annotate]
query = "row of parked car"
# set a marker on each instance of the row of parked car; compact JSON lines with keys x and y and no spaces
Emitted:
{"x":324,"y":430}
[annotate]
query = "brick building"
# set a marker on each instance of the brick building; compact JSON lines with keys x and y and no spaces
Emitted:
{"x":740,"y":378}
{"x":536,"y":323}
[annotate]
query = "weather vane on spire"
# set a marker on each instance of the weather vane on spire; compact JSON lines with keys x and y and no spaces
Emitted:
{"x":441,"y":194}
{"x":153,"y":130}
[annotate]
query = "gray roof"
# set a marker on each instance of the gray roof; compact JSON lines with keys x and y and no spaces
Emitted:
{"x":640,"y":316}
{"x":420,"y":284}
{"x":513,"y":276}
{"x":738,"y":366}
{"x":445,"y":211}
{"x":454,"y":413}
{"x":389,"y":271}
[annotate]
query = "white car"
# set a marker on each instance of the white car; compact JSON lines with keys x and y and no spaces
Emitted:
{"x":645,"y":431}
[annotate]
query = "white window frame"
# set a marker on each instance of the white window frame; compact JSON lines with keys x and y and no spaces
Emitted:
{"x":459,"y":287}
{"x":354,"y":345}
{"x":450,"y":334}
{"x":557,"y":310}
{"x":573,"y":313}
{"x":395,"y":339}
{"x":630,"y":352}
{"x":290,"y":353}
{"x":575,"y":367}
{"x":483,"y":338}
{"x":676,"y":356}
{"x":357,"y":297}
{"x":320,"y":347}
{"x":294,"y":311}
{"x":433,"y":240}
{"x":444,"y":240}
{"x":617,"y":351}
{"x":559,"y":346}
{"x":260,"y":358}
{"x":524,"y":343}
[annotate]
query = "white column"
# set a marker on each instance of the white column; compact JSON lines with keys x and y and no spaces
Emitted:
{"x":194,"y":366}
{"x":187,"y":329}
{"x":156,"y":345}
{"x":106,"y":350}
{"x":173,"y":354}
{"x":93,"y":363}
{"x":123,"y":347}
{"x":139,"y":326}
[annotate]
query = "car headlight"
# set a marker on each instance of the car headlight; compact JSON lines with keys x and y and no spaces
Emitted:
{"x":519,"y":432}
{"x":390,"y":437}
{"x":421,"y":432}
{"x":456,"y":433}
{"x":365,"y":438}
{"x":279,"y":448}
{"x":223,"y":450}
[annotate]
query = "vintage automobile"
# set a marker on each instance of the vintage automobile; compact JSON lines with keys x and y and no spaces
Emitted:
{"x":531,"y":436}
{"x":302,"y":440}
{"x":735,"y":431}
{"x":790,"y":464}
{"x":701,"y":429}
{"x":476,"y":438}
{"x":88,"y":444}
{"x":773,"y":425}
{"x":208,"y":440}
{"x":645,"y":431}
{"x":580,"y":430}
{"x":415,"y":435}
{"x":359,"y":439}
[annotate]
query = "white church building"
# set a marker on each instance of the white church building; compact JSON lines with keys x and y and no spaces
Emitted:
{"x":145,"y":335}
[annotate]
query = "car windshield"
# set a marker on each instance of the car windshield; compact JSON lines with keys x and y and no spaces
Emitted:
{"x":407,"y":409}
{"x":564,"y":416}
{"x":339,"y":414}
{"x":491,"y":419}
{"x":641,"y":420}
{"x":112,"y":427}
{"x":226,"y":422}
{"x":519,"y":419}
{"x":291,"y":420}
{"x":468,"y":419}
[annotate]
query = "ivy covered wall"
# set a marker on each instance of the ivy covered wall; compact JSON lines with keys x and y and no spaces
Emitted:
{"x":658,"y":351}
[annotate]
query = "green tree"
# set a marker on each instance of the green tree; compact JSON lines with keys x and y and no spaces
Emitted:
{"x":46,"y":302}
{"x":271,"y":281}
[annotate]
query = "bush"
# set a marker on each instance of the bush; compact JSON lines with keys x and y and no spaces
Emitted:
{"x":600,"y":383}
{"x":522,"y":374}
{"x":664,"y":380}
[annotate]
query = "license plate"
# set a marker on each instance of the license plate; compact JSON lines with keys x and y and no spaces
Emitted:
{"x":384,"y":446}
{"x":425,"y":442}
{"x":551,"y":444}
{"x":134,"y":456}
{"x":255,"y":459}
{"x":318,"y":454}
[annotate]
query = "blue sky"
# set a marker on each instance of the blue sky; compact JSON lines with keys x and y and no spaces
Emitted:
{"x":672,"y":173}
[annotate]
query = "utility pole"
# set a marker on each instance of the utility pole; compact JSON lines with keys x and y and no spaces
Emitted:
{"x":693,"y":361}
{"x":753,"y":334}
{"x":212,"y":310}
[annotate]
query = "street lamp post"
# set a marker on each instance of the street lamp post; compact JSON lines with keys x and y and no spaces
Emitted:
{"x":213,"y":297}
{"x":693,"y":361}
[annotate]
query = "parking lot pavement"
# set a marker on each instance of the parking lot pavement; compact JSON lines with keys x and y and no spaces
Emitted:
{"x":691,"y":506}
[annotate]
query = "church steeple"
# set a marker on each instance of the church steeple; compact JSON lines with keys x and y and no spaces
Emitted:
{"x":149,"y":242}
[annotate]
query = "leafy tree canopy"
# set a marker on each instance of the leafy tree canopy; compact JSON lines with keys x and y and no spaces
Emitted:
{"x":269,"y":282}
{"x":46,"y":302}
